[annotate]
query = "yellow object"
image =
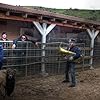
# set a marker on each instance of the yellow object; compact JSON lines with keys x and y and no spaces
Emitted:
{"x":70,"y":53}
{"x":66,"y":51}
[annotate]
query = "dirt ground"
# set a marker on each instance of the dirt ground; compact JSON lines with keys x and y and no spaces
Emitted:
{"x":52,"y":88}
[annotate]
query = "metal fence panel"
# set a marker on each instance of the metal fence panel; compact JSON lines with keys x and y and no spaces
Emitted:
{"x":28,"y":59}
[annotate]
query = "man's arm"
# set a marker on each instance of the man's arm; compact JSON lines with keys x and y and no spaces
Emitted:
{"x":78,"y":53}
{"x":15,"y":42}
{"x":33,"y":40}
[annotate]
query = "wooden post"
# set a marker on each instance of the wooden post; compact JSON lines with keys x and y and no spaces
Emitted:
{"x":92,"y":34}
{"x":44,"y":30}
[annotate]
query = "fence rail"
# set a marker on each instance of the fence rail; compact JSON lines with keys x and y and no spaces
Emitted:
{"x":28,"y":59}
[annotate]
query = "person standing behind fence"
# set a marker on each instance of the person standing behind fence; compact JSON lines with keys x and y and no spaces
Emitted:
{"x":5,"y":45}
{"x":4,"y":38}
{"x":70,"y":67}
{"x":22,"y":53}
{"x":22,"y":38}
{"x":1,"y":56}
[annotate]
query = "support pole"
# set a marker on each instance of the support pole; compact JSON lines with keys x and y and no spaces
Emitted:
{"x":92,"y":34}
{"x":44,"y":30}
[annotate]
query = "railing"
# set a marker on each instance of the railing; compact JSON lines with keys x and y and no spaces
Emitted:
{"x":28,"y":59}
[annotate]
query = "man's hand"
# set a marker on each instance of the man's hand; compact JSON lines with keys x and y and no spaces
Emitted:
{"x":36,"y":44}
{"x":65,"y":57}
{"x":71,"y":58}
{"x":13,"y":46}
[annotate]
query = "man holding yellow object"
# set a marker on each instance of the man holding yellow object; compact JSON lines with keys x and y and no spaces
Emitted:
{"x":70,"y":67}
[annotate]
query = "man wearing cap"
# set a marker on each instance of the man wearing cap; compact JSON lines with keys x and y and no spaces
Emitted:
{"x":70,"y":67}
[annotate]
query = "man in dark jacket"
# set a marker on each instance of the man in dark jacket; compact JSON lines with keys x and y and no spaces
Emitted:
{"x":21,"y":44}
{"x":22,"y":38}
{"x":70,"y":67}
{"x":1,"y":56}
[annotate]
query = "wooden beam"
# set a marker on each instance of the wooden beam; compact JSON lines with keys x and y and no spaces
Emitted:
{"x":75,"y":23}
{"x":65,"y":21}
{"x":92,"y":34}
{"x":7,"y":13}
{"x":17,"y":18}
{"x":98,"y":27}
{"x":25,"y":15}
{"x":44,"y":29}
{"x":40,"y":17}
{"x":84,"y":26}
{"x":53,"y":20}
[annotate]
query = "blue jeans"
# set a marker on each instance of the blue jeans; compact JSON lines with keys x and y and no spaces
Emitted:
{"x":70,"y":72}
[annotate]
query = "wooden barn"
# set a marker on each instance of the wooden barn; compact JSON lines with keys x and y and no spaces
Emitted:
{"x":50,"y":27}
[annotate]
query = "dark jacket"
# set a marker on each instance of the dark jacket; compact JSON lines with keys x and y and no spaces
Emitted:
{"x":4,"y":44}
{"x":19,"y":39}
{"x":77,"y":51}
{"x":22,"y":45}
{"x":1,"y":53}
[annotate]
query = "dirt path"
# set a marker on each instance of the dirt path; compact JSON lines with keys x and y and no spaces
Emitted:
{"x":52,"y":88}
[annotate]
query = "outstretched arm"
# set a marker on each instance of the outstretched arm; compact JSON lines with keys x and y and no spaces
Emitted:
{"x":15,"y":42}
{"x":33,"y":40}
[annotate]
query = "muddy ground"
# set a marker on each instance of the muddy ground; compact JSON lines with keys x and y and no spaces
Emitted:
{"x":52,"y":88}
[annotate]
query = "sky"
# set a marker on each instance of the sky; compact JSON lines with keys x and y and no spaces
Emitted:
{"x":59,"y":4}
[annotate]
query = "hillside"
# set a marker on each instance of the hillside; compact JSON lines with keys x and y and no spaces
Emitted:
{"x":87,"y":14}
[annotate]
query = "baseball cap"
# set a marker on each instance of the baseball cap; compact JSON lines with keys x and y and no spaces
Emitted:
{"x":72,"y":40}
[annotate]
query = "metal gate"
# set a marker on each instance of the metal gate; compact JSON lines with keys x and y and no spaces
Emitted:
{"x":29,"y":59}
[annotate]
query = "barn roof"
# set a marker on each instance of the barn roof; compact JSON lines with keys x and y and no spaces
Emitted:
{"x":27,"y":14}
